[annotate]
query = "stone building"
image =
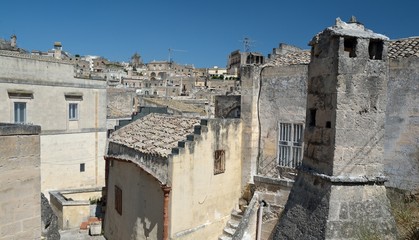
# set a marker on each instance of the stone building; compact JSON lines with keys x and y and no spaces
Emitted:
{"x":20,"y":177}
{"x":172,"y":177}
{"x":237,"y":59}
{"x":71,"y":111}
{"x":339,"y":192}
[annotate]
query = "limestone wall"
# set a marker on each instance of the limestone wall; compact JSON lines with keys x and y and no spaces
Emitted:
{"x":402,"y":125}
{"x":142,"y":204}
{"x":20,"y":198}
{"x":201,"y":201}
{"x":61,"y":156}
{"x":250,"y":79}
{"x":282,"y":100}
{"x":65,"y":143}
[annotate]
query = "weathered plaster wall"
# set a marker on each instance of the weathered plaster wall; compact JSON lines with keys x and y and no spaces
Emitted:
{"x":142,"y":204}
{"x":64,"y":143}
{"x":201,"y":202}
{"x":61,"y":156}
{"x":402,"y":125}
{"x":283,"y":97}
{"x":20,"y":199}
{"x":250,"y":122}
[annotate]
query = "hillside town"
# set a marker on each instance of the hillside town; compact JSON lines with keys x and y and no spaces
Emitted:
{"x":319,"y":143}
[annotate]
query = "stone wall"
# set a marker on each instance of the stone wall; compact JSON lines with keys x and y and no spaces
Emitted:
{"x":402,"y":125}
{"x":20,"y":199}
{"x":65,"y":143}
{"x":250,"y":81}
{"x":142,"y":204}
{"x":283,"y":93}
{"x":227,"y":106}
{"x":202,"y":199}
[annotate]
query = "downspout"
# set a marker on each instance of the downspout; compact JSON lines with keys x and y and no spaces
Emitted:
{"x":166,"y":192}
{"x":259,"y":220}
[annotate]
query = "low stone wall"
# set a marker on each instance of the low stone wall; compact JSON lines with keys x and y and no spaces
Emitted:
{"x":247,"y":226}
{"x":72,"y":207}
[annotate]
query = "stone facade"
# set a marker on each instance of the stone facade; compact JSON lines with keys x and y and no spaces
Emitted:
{"x":20,"y":177}
{"x":402,"y":116}
{"x":193,"y":168}
{"x":339,"y":191}
{"x":42,"y":91}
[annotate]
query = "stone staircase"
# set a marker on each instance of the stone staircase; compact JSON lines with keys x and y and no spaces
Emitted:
{"x":232,"y":224}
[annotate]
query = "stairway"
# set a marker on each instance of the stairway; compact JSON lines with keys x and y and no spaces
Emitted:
{"x":232,"y":224}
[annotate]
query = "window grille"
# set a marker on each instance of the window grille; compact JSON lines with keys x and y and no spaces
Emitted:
{"x":290,"y":145}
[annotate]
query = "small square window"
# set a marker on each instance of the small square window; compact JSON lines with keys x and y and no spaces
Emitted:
{"x":82,"y":167}
{"x":219,"y":161}
{"x":73,"y":111}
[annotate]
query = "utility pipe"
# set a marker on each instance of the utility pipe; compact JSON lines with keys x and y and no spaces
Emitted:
{"x":166,"y":192}
{"x":259,"y":220}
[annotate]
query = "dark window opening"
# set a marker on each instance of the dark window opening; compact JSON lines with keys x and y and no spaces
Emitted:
{"x":219,"y":161}
{"x":312,"y":120}
{"x":349,"y":45}
{"x":375,"y":49}
{"x":328,"y":124}
{"x":118,"y":200}
{"x":82,"y":167}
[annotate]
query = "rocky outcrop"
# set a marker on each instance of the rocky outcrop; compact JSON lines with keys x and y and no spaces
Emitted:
{"x":49,"y":221}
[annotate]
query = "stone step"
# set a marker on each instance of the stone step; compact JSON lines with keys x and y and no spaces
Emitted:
{"x":236,"y":215}
{"x":229,"y":231}
{"x":233,"y":223}
{"x":225,"y":237}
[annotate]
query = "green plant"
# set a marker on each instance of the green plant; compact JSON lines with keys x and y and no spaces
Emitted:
{"x":405,"y":208}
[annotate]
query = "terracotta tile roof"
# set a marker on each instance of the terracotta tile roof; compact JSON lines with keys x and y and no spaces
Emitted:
{"x":155,"y":133}
{"x":292,"y":58}
{"x":404,"y":48}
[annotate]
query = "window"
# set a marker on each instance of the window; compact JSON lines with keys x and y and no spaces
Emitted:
{"x":350,"y":47}
{"x":375,"y":49}
{"x":118,"y":200}
{"x":219,"y":161}
{"x":290,"y":153}
{"x":73,"y":111}
{"x":82,"y":167}
{"x":20,"y":112}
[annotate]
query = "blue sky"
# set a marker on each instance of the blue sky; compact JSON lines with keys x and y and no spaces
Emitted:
{"x":207,"y":31}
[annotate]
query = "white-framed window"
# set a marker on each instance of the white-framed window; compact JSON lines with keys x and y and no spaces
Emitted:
{"x":290,"y":144}
{"x":73,"y":111}
{"x":19,"y":112}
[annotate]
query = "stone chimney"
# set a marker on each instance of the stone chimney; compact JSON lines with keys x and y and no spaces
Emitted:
{"x":13,"y":41}
{"x":339,"y":192}
{"x":57,"y":50}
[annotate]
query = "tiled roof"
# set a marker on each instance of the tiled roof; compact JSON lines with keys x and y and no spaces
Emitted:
{"x":292,"y":58}
{"x":177,"y":105}
{"x":155,"y":133}
{"x":403,"y":48}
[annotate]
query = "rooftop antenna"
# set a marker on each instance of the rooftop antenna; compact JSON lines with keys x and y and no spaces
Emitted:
{"x":170,"y":59}
{"x":247,"y":43}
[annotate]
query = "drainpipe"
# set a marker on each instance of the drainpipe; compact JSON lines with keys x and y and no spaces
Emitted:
{"x":166,"y":191}
{"x":259,"y":220}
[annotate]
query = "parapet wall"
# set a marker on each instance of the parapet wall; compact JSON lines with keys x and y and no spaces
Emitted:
{"x":20,"y":177}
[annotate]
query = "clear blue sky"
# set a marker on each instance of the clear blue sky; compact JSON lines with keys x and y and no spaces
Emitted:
{"x":207,"y":30}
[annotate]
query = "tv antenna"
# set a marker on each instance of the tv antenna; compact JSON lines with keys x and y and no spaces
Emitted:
{"x":171,"y":50}
{"x":247,"y":43}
